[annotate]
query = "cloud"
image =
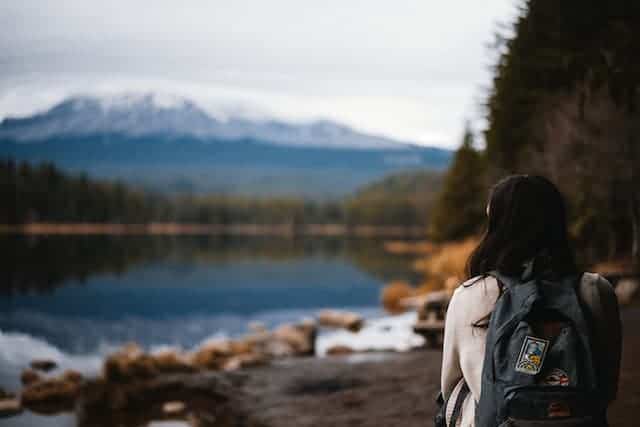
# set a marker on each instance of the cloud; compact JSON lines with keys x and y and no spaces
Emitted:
{"x":408,"y":69}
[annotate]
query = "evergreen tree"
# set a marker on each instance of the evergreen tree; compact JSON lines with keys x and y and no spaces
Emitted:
{"x":460,"y":207}
{"x":565,"y":104}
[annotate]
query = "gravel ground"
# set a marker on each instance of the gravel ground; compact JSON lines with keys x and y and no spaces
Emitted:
{"x":387,"y":390}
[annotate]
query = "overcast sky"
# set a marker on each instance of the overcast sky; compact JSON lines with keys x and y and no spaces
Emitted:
{"x":413,"y":70}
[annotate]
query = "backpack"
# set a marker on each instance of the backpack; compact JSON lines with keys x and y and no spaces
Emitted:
{"x":538,"y":365}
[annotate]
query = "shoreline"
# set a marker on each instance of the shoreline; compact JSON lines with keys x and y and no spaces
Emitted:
{"x":157,"y":228}
{"x":366,"y":390}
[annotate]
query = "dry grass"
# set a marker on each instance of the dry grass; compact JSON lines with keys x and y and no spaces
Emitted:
{"x":443,"y":267}
{"x":448,"y":261}
{"x":401,"y":247}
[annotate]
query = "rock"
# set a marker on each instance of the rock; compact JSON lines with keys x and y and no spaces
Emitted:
{"x":170,"y":362}
{"x":626,"y":289}
{"x":29,"y":376}
{"x":245,"y":360}
{"x":299,"y":338}
{"x":212,"y":355}
{"x":52,"y":395}
{"x":44,"y":365}
{"x":341,"y":319}
{"x":412,"y":303}
{"x":72,"y":376}
{"x":261,"y":342}
{"x":131,"y":350}
{"x":211,"y":395}
{"x":129,"y":363}
{"x":393,"y":294}
{"x":279,"y":348}
{"x":175,"y":407}
{"x":339,"y":350}
{"x":10,"y":406}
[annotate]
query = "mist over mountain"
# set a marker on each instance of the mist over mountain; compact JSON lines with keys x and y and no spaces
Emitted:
{"x":171,"y":144}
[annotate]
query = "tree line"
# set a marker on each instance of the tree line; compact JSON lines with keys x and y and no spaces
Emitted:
{"x":44,"y":193}
{"x":564,"y":104}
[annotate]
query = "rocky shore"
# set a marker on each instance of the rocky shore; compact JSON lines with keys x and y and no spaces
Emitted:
{"x":271,"y":379}
{"x":371,"y":389}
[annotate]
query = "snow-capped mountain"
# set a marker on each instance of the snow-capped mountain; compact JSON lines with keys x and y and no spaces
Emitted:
{"x":171,"y":144}
{"x":139,"y":115}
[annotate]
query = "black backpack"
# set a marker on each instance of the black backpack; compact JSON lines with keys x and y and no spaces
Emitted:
{"x":538,"y":365}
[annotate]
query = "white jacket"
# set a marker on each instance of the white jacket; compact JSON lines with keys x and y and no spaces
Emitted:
{"x":464,"y":344}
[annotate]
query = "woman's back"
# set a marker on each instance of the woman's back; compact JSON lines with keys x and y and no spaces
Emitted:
{"x":465,"y":333}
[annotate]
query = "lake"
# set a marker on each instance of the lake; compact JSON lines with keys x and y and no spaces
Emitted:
{"x":77,"y":298}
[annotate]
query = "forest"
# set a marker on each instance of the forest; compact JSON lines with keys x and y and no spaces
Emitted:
{"x":564,"y":104}
{"x":43,"y":193}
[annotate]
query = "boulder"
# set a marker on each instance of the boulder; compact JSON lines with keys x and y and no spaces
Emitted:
{"x":44,"y":365}
{"x":52,"y":395}
{"x":174,"y":407}
{"x":9,"y":406}
{"x":129,"y":363}
{"x":213,"y":355}
{"x":393,"y":294}
{"x":29,"y":376}
{"x":341,"y":319}
{"x":300,"y":339}
{"x":413,"y":302}
{"x":171,"y":362}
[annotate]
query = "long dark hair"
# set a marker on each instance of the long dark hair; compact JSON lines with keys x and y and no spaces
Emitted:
{"x":527,"y":221}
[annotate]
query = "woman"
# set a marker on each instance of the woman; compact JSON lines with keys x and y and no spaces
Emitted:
{"x":526,"y":222}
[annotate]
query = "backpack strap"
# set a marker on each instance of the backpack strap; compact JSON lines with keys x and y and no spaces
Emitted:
{"x":504,"y":282}
{"x":457,"y":408}
{"x":460,"y":396}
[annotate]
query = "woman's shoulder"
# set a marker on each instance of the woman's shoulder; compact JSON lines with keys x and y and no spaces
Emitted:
{"x":478,"y":289}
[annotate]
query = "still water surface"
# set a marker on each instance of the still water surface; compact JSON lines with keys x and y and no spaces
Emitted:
{"x":76,"y":298}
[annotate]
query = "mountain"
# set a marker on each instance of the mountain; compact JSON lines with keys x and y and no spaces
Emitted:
{"x":171,"y":144}
{"x":144,"y":115}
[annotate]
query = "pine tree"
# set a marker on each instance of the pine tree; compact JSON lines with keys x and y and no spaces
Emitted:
{"x":460,"y":207}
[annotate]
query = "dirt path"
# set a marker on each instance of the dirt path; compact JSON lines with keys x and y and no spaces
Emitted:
{"x":396,"y":390}
{"x":392,"y":389}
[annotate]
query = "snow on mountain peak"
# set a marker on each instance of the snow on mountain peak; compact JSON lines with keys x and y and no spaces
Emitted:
{"x":150,"y":100}
{"x":167,"y":115}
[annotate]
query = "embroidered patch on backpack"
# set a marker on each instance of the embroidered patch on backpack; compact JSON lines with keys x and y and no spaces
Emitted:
{"x":556,"y":377}
{"x":532,"y":355}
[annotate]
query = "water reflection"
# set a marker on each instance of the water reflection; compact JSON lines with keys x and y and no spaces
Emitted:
{"x":77,"y":298}
{"x":42,"y":263}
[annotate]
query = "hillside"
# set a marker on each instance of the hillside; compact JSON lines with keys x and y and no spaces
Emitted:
{"x":564,"y":104}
